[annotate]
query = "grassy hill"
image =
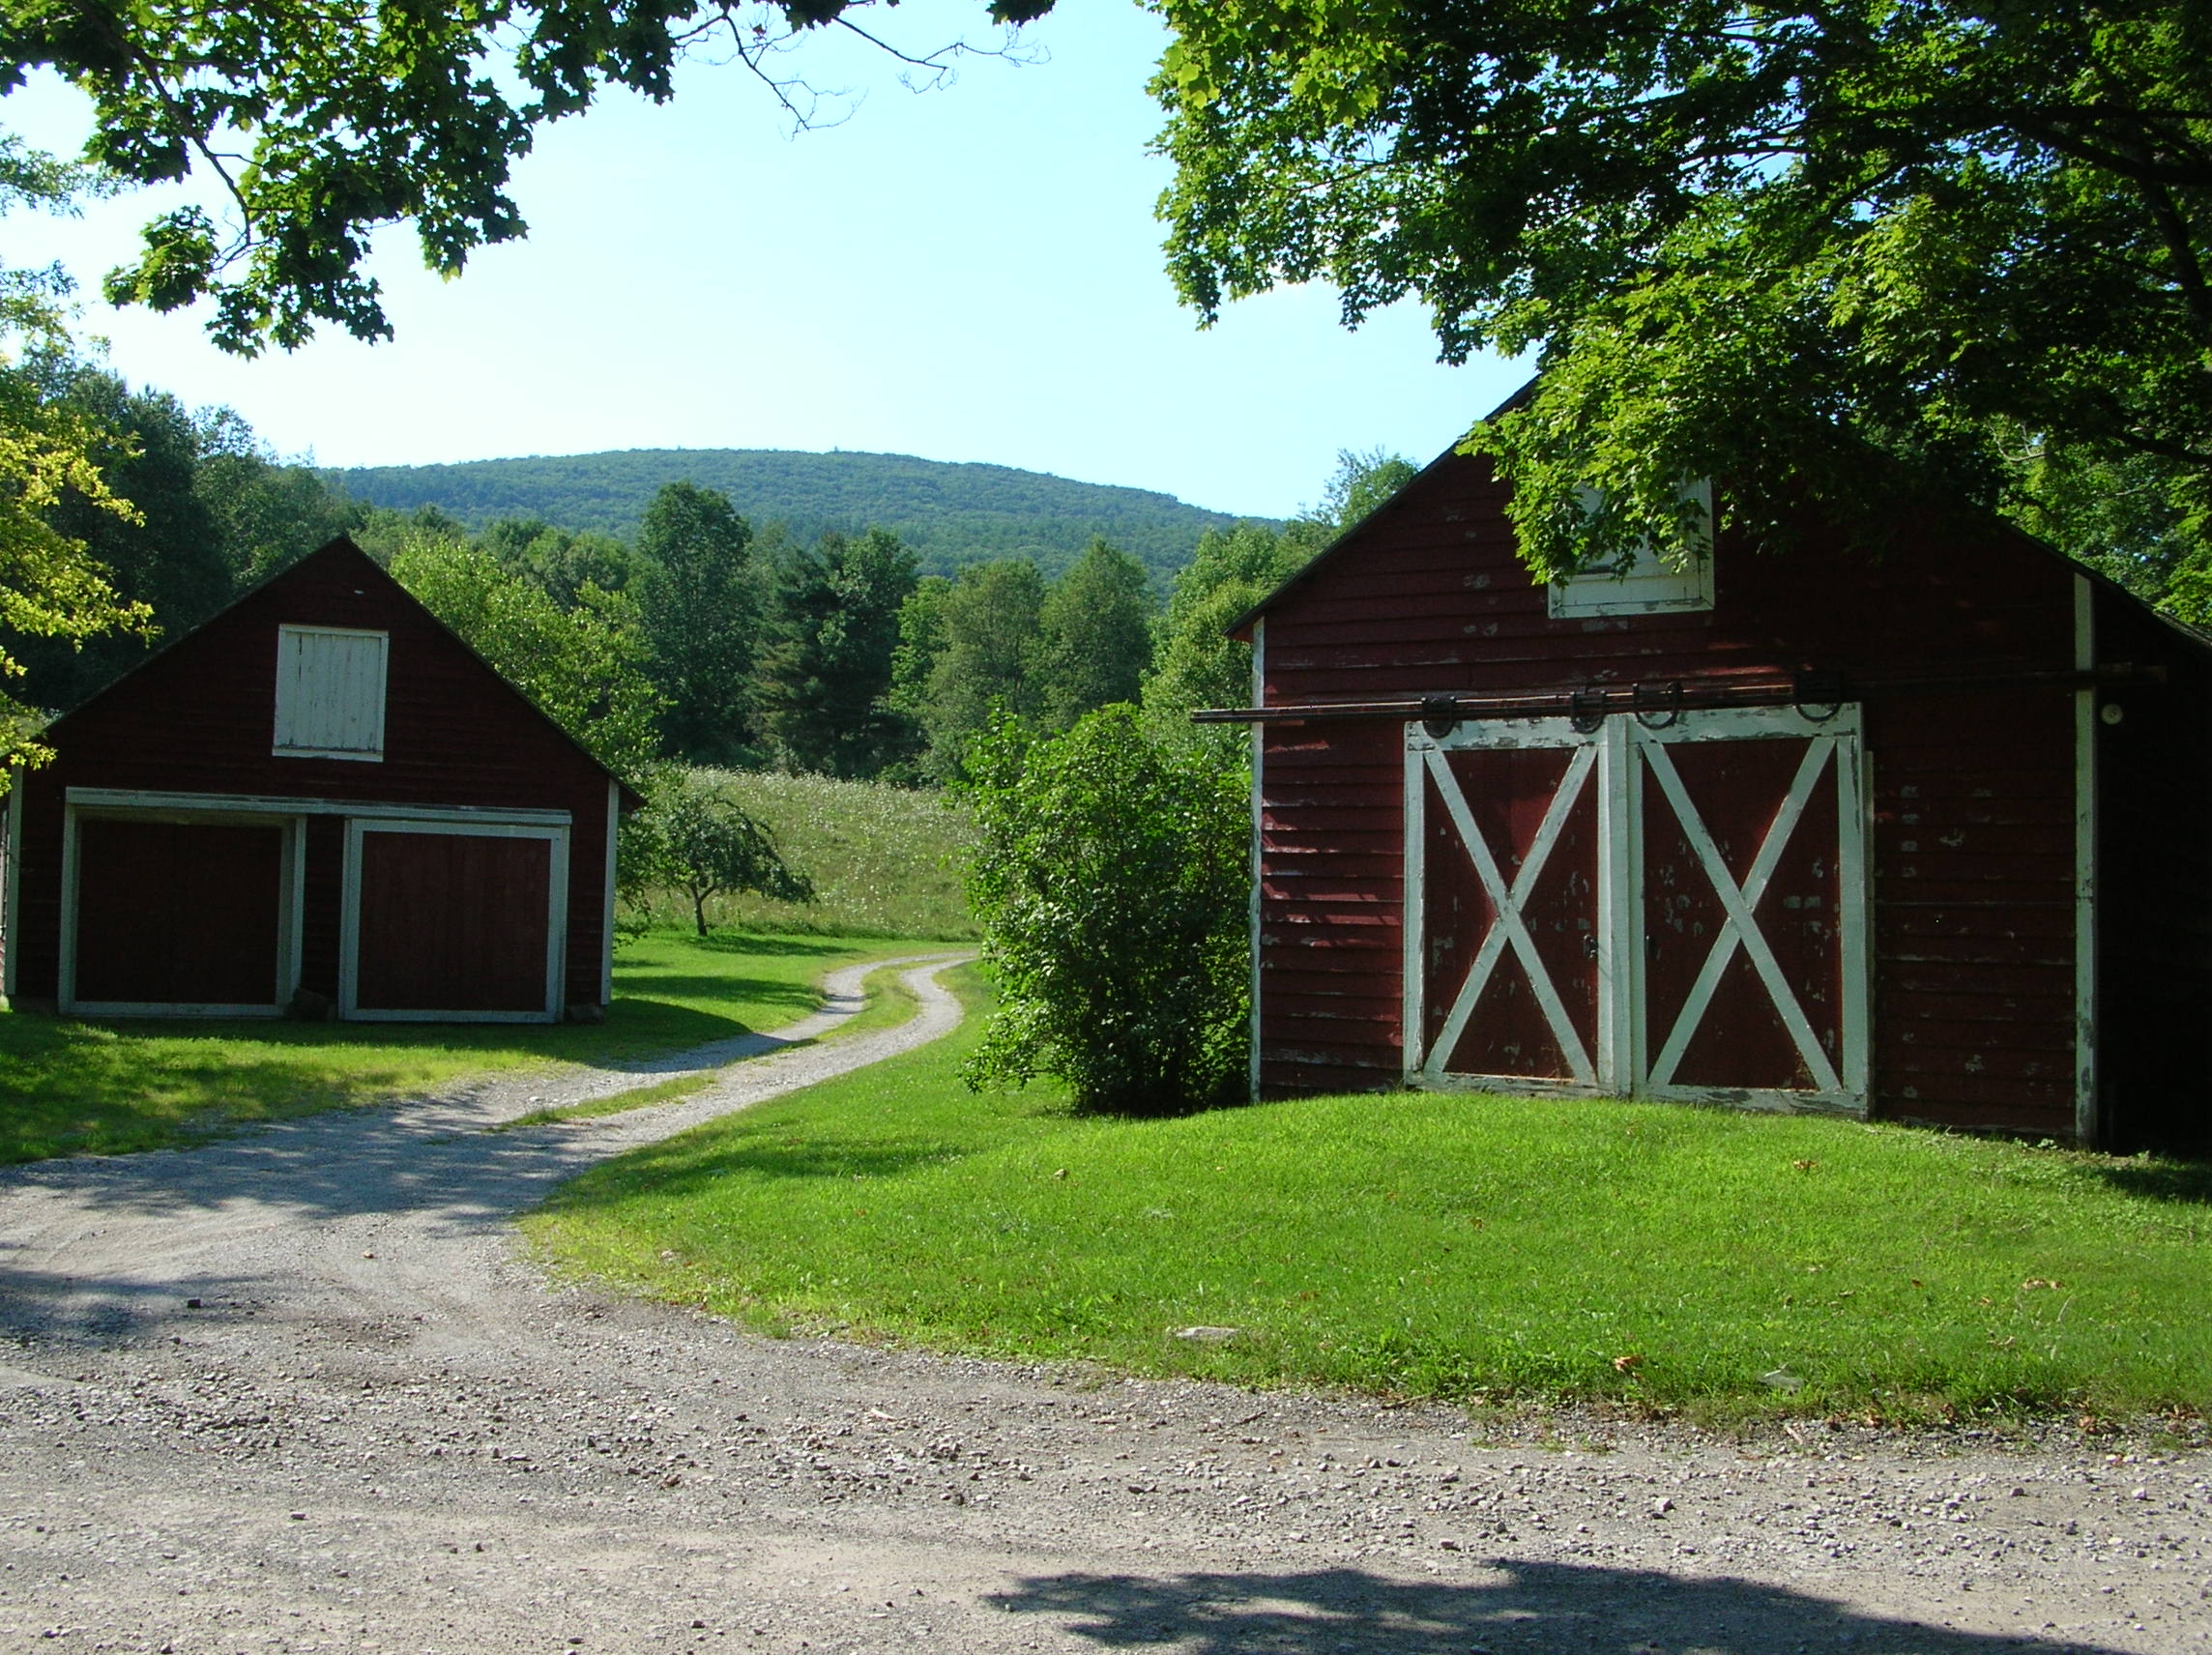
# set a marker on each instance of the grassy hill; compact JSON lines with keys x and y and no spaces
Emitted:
{"x":950,"y":514}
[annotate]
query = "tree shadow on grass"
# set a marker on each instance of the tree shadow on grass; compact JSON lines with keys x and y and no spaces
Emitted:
{"x":760,"y":948}
{"x":677,"y":1169}
{"x":1520,"y":1609}
{"x":112,"y":1087}
{"x":750,"y":990}
{"x":2186,"y":1181}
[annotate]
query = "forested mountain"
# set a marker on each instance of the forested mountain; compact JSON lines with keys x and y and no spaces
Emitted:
{"x":949,"y":515}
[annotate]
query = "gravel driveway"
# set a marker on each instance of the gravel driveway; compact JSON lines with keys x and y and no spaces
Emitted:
{"x":297,"y":1391}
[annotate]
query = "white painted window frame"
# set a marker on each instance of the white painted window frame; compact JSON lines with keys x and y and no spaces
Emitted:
{"x":1618,"y":757}
{"x":291,"y":900}
{"x":1602,"y":592}
{"x":363,"y":755}
{"x":556,"y":926}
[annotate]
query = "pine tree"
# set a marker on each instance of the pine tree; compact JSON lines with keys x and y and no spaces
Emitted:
{"x":823,"y":679}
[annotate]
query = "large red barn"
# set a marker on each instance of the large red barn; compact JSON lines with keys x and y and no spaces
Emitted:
{"x":1920,"y":837}
{"x":319,"y":799}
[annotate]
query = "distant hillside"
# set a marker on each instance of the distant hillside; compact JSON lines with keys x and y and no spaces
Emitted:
{"x":950,"y":514}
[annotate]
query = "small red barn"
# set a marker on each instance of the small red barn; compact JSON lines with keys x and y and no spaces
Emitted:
{"x":321,"y":794}
{"x":1922,"y":836}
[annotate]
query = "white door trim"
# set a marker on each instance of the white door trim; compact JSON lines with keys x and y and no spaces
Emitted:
{"x":261,"y":804}
{"x":291,"y":907}
{"x":1739,"y":927}
{"x":1426,"y":762}
{"x":1257,"y":862}
{"x":1509,"y":928}
{"x":1621,"y":751}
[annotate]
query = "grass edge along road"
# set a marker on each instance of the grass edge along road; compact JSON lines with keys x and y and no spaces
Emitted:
{"x":1450,"y":1245}
{"x":886,"y":1003}
{"x":77,"y":1085}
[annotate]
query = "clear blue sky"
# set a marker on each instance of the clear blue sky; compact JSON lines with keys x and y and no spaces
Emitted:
{"x":973,"y":273}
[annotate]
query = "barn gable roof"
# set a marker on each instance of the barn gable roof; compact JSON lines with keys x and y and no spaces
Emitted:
{"x":334,"y":556}
{"x":1376,"y":523}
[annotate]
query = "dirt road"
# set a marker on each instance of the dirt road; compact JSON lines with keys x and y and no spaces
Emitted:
{"x":295,"y":1392}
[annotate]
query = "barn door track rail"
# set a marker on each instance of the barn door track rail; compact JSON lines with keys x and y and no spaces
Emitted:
{"x":1592,"y":702}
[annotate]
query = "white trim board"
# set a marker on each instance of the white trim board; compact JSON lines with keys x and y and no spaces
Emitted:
{"x":12,"y":903}
{"x":556,"y":920}
{"x":251,"y":803}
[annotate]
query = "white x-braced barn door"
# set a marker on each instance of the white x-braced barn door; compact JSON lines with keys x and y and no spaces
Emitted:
{"x":1670,"y":907}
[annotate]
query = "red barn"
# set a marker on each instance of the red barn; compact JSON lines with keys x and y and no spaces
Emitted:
{"x":1921,"y":838}
{"x":320,"y":798}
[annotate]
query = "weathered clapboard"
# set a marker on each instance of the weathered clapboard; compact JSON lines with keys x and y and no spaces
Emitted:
{"x":1917,"y":835}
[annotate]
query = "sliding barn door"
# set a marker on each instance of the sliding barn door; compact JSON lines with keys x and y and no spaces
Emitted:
{"x":1751,"y":871}
{"x":1503,"y":968}
{"x":1671,"y":908}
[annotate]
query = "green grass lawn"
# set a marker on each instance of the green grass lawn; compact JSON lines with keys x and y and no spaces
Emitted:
{"x":1445,"y":1246}
{"x":69,"y":1086}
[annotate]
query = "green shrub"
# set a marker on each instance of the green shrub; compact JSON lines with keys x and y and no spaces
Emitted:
{"x":1111,"y":884}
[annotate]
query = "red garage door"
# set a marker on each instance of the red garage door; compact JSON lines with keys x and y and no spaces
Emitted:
{"x":453,"y":923}
{"x":177,"y":914}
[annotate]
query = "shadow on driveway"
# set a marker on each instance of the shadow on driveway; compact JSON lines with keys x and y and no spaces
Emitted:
{"x":1522,"y":1608}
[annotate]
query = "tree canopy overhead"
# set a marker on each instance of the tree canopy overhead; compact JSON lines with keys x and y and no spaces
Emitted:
{"x":325,"y":122}
{"x":1956,"y":247}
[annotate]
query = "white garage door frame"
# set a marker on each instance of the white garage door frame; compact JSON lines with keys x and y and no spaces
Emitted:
{"x":556,"y":835}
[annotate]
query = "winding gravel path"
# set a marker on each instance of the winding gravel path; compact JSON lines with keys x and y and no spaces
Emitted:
{"x":380,"y":1429}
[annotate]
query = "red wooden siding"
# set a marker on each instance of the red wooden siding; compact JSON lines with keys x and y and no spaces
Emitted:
{"x":1333,"y":882}
{"x":178,"y":914}
{"x":1971,"y":794}
{"x":452,"y":922}
{"x":199,"y":718}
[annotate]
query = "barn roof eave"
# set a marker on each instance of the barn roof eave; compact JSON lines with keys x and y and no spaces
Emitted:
{"x":631,"y":799}
{"x":1241,"y":627}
